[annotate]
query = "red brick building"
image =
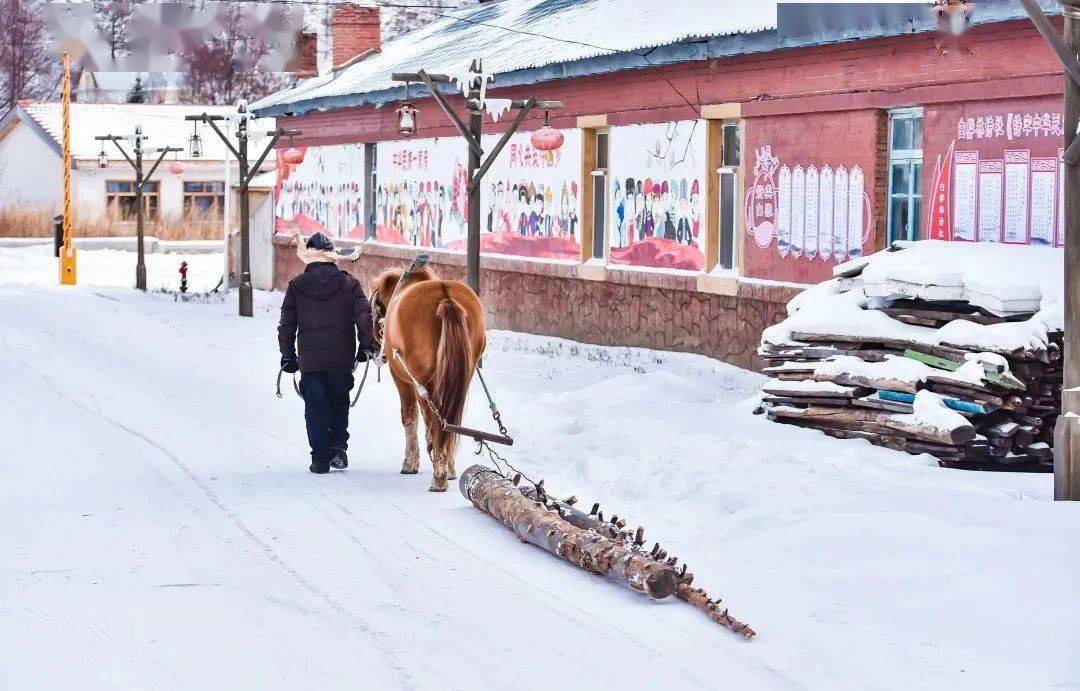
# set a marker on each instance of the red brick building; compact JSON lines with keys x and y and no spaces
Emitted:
{"x":714,"y":162}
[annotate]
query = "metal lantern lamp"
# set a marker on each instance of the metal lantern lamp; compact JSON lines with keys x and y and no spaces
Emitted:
{"x":407,"y":119}
{"x":547,"y":138}
{"x":407,"y":114}
{"x":103,"y":158}
{"x":195,"y":143}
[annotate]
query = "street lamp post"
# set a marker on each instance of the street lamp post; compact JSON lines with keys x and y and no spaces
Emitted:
{"x":140,"y":181}
{"x":247,"y":172}
{"x":478,"y":164}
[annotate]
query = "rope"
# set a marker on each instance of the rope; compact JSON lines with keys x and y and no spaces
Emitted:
{"x":296,"y":386}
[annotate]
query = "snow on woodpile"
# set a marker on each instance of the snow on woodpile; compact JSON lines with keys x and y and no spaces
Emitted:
{"x":946,"y":348}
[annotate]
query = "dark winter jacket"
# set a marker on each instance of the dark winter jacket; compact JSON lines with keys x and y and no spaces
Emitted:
{"x":326,"y":311}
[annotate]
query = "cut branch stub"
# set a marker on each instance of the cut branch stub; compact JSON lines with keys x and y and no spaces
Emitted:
{"x":494,"y":494}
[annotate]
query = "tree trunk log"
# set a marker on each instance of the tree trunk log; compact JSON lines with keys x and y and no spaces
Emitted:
{"x":613,"y":530}
{"x":532,"y":522}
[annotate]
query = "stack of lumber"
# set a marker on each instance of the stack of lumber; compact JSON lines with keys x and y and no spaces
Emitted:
{"x":976,"y":386}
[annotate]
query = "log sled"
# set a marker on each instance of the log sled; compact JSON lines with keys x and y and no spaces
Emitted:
{"x":588,"y":541}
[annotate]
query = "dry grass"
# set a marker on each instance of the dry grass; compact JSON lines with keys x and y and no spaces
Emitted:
{"x":23,"y":222}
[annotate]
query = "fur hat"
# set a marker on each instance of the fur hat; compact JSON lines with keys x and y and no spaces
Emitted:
{"x":319,"y":248}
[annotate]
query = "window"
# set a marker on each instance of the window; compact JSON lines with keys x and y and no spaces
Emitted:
{"x":370,"y":161}
{"x":729,"y":186}
{"x":204,"y":201}
{"x":120,"y":200}
{"x":599,"y":200}
{"x":905,"y":173}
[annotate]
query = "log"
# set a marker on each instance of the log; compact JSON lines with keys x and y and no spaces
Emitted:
{"x":880,"y":422}
{"x":534,"y":523}
{"x":685,"y":591}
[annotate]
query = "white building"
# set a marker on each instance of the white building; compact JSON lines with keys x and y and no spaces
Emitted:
{"x":188,"y":205}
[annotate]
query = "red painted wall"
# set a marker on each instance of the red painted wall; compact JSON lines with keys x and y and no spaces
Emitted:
{"x":1021,"y":137}
{"x":800,"y":236}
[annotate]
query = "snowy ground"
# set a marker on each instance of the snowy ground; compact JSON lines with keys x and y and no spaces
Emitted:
{"x":159,"y":528}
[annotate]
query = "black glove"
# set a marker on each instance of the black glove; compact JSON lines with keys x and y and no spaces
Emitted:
{"x":365,"y":353}
{"x":289,"y":364}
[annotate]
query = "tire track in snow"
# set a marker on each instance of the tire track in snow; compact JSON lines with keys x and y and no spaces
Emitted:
{"x":378,"y":638}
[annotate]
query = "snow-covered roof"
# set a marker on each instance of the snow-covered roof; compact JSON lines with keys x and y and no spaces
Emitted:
{"x":515,"y":35}
{"x":532,"y":41}
{"x":164,"y":125}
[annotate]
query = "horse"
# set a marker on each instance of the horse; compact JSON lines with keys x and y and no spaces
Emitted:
{"x":433,"y":331}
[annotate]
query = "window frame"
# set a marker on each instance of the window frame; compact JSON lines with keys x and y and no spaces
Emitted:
{"x":218,"y":202}
{"x":732,"y":169}
{"x":909,"y":158}
{"x":601,"y":193}
{"x":151,"y":201}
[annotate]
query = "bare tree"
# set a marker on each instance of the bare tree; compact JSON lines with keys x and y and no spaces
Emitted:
{"x":112,"y":18}
{"x":227,"y":67}
{"x":27,"y":68}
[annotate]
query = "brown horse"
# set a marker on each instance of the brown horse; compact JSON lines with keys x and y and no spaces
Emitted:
{"x":437,"y":328}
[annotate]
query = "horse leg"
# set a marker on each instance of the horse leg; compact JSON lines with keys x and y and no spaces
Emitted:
{"x":409,"y":420}
{"x":437,"y":453}
{"x":451,"y":471}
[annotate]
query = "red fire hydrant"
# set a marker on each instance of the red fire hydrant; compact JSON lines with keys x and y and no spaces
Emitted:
{"x":183,"y":277}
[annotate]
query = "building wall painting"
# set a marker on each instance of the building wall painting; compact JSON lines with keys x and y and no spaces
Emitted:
{"x":421,"y":192}
{"x":324,"y":193}
{"x":999,"y":175}
{"x":808,"y":212}
{"x":811,"y":198}
{"x":656,"y":180}
{"x":530,"y":199}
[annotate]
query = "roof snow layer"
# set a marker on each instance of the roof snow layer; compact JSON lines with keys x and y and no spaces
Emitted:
{"x":524,"y":34}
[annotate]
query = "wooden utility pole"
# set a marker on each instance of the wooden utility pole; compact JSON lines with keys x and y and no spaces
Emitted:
{"x":478,"y":164}
{"x":68,"y":264}
{"x":247,"y":172}
{"x":1067,"y":434}
{"x":140,"y":182}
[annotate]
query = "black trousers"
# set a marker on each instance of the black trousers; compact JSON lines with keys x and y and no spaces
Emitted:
{"x":326,"y":411}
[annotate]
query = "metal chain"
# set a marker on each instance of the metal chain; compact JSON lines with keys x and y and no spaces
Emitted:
{"x":491,"y":403}
{"x":420,"y":389}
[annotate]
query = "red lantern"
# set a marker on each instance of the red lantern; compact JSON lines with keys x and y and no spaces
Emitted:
{"x":547,"y":138}
{"x":292,"y":157}
{"x":176,"y":168}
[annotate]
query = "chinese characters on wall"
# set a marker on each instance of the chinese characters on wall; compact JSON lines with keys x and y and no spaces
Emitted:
{"x":1000,"y":180}
{"x":810,"y":211}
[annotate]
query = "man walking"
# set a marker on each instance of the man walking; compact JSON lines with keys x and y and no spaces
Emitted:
{"x":326,"y":311}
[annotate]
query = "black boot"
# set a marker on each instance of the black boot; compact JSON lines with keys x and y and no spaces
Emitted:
{"x":338,"y":459}
{"x":319,"y":468}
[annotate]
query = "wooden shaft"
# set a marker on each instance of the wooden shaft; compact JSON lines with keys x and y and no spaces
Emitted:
{"x":476,"y":126}
{"x":140,"y":264}
{"x":1067,"y":470}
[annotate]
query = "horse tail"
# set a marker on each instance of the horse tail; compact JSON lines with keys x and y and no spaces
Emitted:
{"x":453,"y":370}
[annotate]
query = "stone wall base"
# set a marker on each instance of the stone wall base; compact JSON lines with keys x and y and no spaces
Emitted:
{"x":718,"y":316}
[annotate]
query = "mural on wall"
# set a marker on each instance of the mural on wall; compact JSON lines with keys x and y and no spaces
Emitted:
{"x":324,"y":193}
{"x":657,"y":175}
{"x":530,"y":199}
{"x":421,"y":192}
{"x":809,"y":211}
{"x":1001,"y":176}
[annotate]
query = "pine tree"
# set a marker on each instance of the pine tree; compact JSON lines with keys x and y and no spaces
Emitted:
{"x":137,"y":93}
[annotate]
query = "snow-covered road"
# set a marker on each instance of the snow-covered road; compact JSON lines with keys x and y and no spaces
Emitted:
{"x":159,"y":528}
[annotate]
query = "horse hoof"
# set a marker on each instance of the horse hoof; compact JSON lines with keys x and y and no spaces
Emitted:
{"x":433,"y":488}
{"x":409,"y":472}
{"x":452,"y":476}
